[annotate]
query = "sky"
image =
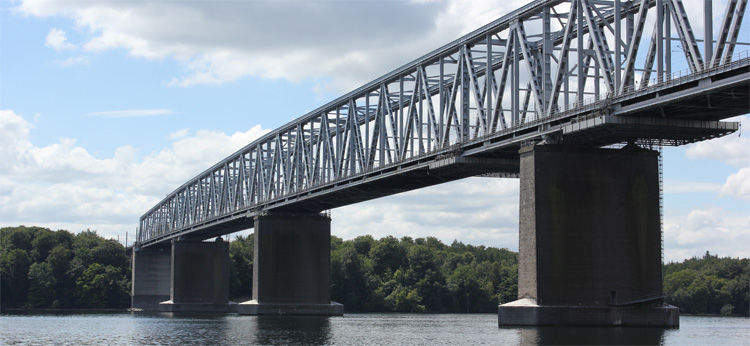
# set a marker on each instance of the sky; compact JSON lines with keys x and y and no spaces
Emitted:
{"x":108,"y":106}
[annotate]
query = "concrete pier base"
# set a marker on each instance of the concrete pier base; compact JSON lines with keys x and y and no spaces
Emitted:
{"x":200,"y":277}
{"x":252,"y":307}
{"x":151,"y":270}
{"x":292,"y":267}
{"x":525,"y":312}
{"x":590,"y":239}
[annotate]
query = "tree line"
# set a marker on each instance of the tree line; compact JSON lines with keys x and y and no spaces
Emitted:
{"x":403,"y":275}
{"x":40,"y":268}
{"x":709,"y":285}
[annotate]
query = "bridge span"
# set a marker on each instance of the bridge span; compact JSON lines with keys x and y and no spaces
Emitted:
{"x":552,"y":79}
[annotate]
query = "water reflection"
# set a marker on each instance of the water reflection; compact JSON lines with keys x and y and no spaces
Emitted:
{"x":278,"y":330}
{"x":354,"y":329}
{"x":206,"y":328}
{"x":590,"y":336}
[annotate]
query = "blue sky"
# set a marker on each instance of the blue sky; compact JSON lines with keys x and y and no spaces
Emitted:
{"x":108,"y":106}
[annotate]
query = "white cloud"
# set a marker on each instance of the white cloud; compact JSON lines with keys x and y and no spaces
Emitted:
{"x":738,"y":185}
{"x":72,"y":61}
{"x":62,"y":185}
{"x":733,"y":149}
{"x":678,"y":186}
{"x":57,"y":40}
{"x":179,"y":134}
{"x":480,"y":211}
{"x":341,"y":44}
{"x":713,"y":229}
{"x":130,"y":113}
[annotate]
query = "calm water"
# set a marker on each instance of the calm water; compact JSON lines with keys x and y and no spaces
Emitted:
{"x":352,"y":329}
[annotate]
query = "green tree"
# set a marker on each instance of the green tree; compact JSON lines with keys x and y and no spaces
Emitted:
{"x":709,"y":285}
{"x":402,"y":299}
{"x":472,"y":294}
{"x":43,"y":242}
{"x":241,"y":270}
{"x":353,"y":281}
{"x":59,"y":259}
{"x":102,"y":287}
{"x":388,"y":255}
{"x":15,"y":279}
{"x":17,"y":238}
{"x":42,"y":284}
{"x":363,"y":244}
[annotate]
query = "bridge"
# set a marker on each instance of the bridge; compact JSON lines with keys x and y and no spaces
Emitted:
{"x":545,"y":93}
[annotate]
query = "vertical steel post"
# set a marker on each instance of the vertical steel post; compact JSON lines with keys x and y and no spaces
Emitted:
{"x":659,"y":40}
{"x":546,"y":65}
{"x":618,"y":48}
{"x":441,"y":98}
{"x":708,"y":38}
{"x":488,"y":76}
{"x":515,"y":80}
{"x":668,"y":45}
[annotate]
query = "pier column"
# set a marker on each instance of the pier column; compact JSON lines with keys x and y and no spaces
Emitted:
{"x":199,"y":277}
{"x":150,"y":282}
{"x":292,"y":265}
{"x":590,"y":239}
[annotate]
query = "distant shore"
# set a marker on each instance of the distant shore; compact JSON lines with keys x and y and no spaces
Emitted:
{"x":24,"y":310}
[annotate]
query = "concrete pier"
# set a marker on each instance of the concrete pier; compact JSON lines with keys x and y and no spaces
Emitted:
{"x":292,"y":261}
{"x":590,"y":239}
{"x":150,"y":280}
{"x":199,"y":277}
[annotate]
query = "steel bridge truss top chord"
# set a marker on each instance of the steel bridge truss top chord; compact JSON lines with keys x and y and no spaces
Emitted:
{"x":520,"y":78}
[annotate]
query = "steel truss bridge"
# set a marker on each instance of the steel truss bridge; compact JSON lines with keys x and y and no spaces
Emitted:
{"x":587,"y":72}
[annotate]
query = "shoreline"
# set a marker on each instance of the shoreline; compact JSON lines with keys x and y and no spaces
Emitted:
{"x":120,"y":310}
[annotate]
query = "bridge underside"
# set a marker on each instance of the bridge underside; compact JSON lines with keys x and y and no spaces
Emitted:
{"x":429,"y":171}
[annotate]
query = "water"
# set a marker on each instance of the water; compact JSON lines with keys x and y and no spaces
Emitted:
{"x":352,"y":329}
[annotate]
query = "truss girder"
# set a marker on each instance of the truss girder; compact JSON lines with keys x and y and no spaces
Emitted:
{"x":515,"y":73}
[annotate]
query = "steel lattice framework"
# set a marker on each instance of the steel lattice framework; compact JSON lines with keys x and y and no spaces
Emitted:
{"x":595,"y":72}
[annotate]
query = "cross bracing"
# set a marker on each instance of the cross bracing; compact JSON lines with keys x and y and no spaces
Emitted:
{"x":577,"y":71}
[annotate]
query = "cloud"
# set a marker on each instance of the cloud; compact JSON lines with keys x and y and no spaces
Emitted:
{"x":72,"y":61}
{"x":701,"y":230}
{"x":57,"y":40}
{"x":62,"y":185}
{"x":733,"y":149}
{"x":677,"y":186}
{"x":480,"y":211}
{"x":738,"y":185}
{"x":131,"y":113}
{"x":342,"y":44}
{"x":179,"y":134}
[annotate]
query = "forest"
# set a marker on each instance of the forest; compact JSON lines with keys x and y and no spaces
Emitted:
{"x":709,"y":285}
{"x":40,"y":268}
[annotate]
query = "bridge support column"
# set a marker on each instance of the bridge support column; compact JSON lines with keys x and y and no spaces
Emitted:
{"x":590,"y":239}
{"x":291,"y":271}
{"x":150,"y":283}
{"x":199,"y":277}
